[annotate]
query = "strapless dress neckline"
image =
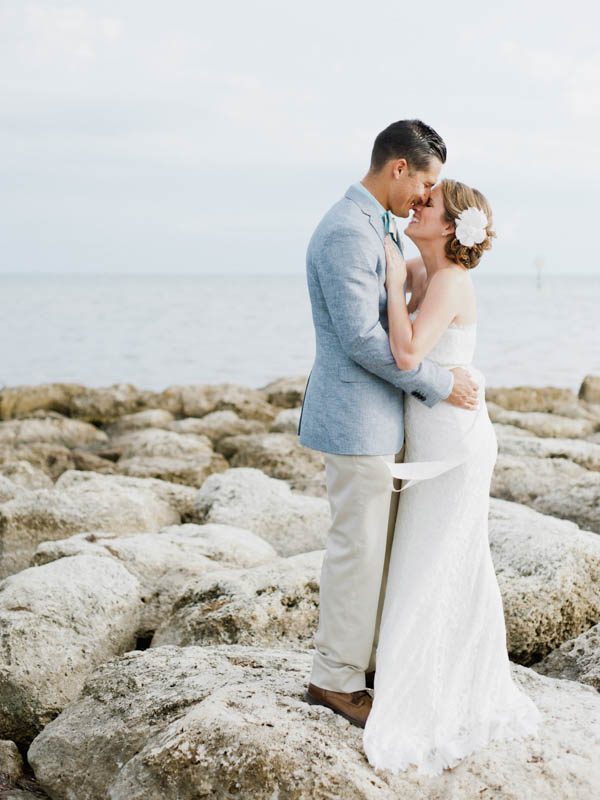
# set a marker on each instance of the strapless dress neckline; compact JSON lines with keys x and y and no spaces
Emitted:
{"x":452,"y":324}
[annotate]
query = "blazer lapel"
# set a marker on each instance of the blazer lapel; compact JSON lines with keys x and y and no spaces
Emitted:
{"x":369,"y":209}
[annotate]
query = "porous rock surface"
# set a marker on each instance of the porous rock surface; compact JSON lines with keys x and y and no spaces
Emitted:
{"x":166,"y":561}
{"x":577,"y":659}
{"x":35,"y":516}
{"x":548,"y":572}
{"x":286,"y":392}
{"x":57,"y":622}
{"x":275,"y":605}
{"x":217,"y":425}
{"x":179,"y":497}
{"x":231,"y":721}
{"x":247,"y":498}
{"x":544,"y":425}
{"x":197,"y":400}
{"x":279,"y":455}
{"x":52,"y":428}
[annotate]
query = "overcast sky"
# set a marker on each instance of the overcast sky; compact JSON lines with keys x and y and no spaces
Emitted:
{"x":139,"y":136}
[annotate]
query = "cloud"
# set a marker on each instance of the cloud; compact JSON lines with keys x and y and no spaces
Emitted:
{"x":126,"y":117}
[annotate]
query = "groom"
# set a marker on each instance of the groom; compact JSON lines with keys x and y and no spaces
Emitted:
{"x":353,"y":405}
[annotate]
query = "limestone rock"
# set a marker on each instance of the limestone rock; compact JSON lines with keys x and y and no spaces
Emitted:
{"x":21,"y":401}
{"x":25,"y":474}
{"x":575,"y":660}
{"x":533,"y":472}
{"x":90,"y":461}
{"x":106,"y":404}
{"x":164,"y":562}
{"x":218,"y":424}
{"x":584,"y":453}
{"x":9,"y":490}
{"x":286,"y":392}
{"x":508,"y":430}
{"x":315,"y":486}
{"x":170,"y":399}
{"x":247,"y":403}
{"x":548,"y":572}
{"x":190,"y":471}
{"x":524,"y":478}
{"x":53,"y":459}
{"x":150,"y":418}
{"x":52,"y":429}
{"x":176,"y":457}
{"x":546,"y":425}
{"x":158,"y":442}
{"x":225,"y":544}
{"x":201,"y":399}
{"x":580,"y":410}
{"x":578,"y":500}
{"x":175,"y":723}
{"x":287,"y":421}
{"x":275,"y":605}
{"x":58,"y":622}
{"x":279,"y":455}
{"x":247,"y":498}
{"x":590,"y":389}
{"x":180,"y":498}
{"x":531,"y":398}
{"x":35,"y":516}
{"x":11,"y":762}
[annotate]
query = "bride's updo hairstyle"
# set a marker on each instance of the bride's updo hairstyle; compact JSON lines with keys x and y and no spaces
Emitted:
{"x":457,"y":198}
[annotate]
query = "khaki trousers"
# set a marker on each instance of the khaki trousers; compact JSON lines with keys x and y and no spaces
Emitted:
{"x":354,"y":573}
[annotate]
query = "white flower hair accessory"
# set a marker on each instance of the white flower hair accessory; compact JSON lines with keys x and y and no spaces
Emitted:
{"x":470,"y":226}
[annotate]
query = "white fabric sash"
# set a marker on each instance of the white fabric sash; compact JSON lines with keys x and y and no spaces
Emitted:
{"x":417,"y":471}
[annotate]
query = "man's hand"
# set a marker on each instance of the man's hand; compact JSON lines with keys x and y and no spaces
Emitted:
{"x":464,"y":391}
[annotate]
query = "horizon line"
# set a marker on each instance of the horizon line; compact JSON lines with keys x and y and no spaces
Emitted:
{"x":302,"y":273}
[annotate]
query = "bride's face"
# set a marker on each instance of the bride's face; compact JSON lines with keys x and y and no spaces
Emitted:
{"x":429,"y":221}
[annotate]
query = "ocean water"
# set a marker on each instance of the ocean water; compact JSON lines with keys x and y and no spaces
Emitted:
{"x":157,"y":330}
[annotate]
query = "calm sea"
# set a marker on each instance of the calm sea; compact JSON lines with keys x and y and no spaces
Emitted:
{"x":158,"y":330}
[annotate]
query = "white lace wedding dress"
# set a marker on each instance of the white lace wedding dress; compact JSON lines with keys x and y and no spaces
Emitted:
{"x":443,"y":687}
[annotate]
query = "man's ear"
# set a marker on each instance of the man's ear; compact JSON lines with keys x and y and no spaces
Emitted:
{"x":399,"y":165}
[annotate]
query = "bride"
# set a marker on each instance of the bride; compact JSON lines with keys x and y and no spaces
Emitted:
{"x":443,"y":686}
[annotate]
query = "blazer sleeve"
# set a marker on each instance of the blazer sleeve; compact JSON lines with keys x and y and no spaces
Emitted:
{"x":346,"y":267}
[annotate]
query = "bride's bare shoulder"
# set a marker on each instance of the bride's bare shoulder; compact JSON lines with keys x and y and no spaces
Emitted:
{"x":452,"y":278}
{"x":456,"y":283}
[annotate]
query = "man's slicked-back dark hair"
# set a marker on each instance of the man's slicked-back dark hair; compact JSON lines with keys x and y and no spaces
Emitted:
{"x":410,"y":139}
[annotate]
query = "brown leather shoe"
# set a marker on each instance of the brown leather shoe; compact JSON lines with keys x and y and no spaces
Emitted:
{"x":370,"y":679}
{"x":354,"y":706}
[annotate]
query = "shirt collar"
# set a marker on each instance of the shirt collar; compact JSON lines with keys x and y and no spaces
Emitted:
{"x":363,"y":190}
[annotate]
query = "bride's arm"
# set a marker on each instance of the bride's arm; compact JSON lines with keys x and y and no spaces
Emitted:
{"x":410,"y":342}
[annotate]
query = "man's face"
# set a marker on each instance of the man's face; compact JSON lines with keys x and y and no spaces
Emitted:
{"x":407,"y":191}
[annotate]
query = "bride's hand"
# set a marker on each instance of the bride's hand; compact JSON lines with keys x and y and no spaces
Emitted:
{"x":395,"y":263}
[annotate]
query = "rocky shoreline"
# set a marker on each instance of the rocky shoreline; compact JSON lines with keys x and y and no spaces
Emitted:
{"x":160,"y":557}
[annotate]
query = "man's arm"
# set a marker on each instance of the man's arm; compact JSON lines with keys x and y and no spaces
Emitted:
{"x":346,"y":268}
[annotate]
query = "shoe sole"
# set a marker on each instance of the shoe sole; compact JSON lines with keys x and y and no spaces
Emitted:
{"x":317,"y":701}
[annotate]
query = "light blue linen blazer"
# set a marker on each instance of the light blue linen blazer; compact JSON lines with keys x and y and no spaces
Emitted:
{"x":354,"y":399}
